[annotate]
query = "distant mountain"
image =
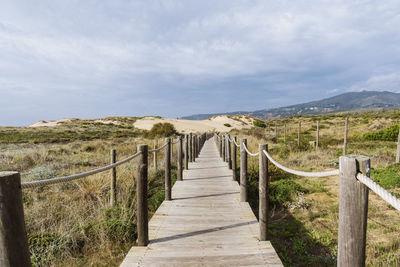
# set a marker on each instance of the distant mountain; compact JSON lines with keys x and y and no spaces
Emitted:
{"x":343,"y":102}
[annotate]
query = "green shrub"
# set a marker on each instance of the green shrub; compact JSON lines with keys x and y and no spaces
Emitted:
{"x":284,"y":191}
{"x":388,"y":177}
{"x":161,"y":130}
{"x":388,"y":134}
{"x":44,"y":246}
{"x":227,"y":125}
{"x":260,"y":124}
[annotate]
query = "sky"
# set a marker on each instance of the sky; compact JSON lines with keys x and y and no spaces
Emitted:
{"x":91,"y":59}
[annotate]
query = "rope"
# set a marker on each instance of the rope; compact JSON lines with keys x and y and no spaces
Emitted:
{"x":157,"y":149}
{"x":64,"y":179}
{"x":248,"y":152}
{"x":236,"y":144}
{"x":301,"y":173}
{"x":380,"y":191}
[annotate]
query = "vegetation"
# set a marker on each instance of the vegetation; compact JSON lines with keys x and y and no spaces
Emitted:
{"x":388,"y":177}
{"x":161,"y":130}
{"x":259,"y":123}
{"x":227,"y":125}
{"x":389,"y":134}
{"x":69,"y":131}
{"x":72,"y":224}
{"x":303,"y":226}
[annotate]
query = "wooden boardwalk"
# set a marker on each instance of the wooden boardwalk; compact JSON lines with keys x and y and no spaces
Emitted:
{"x":204,"y":224}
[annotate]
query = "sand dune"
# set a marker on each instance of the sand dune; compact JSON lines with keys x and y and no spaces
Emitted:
{"x":186,"y":126}
{"x":217,"y":123}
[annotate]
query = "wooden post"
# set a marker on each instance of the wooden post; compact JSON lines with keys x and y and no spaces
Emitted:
{"x":229,"y":154}
{"x":172,"y":148}
{"x":190,"y":147}
{"x":298,"y":134}
{"x":263,"y":192}
{"x":179,"y":164}
{"x":14,"y":249}
{"x":345,"y":136}
{"x":141,"y":197}
{"x":168,"y":170}
{"x":353,"y":208}
{"x":243,"y":171}
{"x":155,"y":153}
{"x":226,"y":148}
{"x":193,"y":148}
{"x":220,"y":146}
{"x":398,"y":149}
{"x":284,"y":133}
{"x":234,"y":162}
{"x":113,"y":197}
{"x":198,"y":145}
{"x":223,"y":147}
{"x":186,"y":153}
{"x":317,"y":137}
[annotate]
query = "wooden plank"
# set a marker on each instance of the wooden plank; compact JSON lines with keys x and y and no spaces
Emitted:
{"x":205,"y":224}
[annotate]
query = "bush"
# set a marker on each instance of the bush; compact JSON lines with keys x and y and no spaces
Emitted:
{"x":388,"y":134}
{"x":260,"y":124}
{"x":388,"y":177}
{"x":227,"y":125}
{"x":284,"y":191}
{"x":161,"y":130}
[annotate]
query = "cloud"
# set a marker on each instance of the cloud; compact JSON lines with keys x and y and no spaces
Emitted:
{"x":379,"y":82}
{"x":175,"y":53}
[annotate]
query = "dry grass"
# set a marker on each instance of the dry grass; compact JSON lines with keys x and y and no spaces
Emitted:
{"x":306,"y":234}
{"x":72,"y":224}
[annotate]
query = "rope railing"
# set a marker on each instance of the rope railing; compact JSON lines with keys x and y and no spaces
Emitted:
{"x":68,"y":178}
{"x":159,"y":148}
{"x":236,"y":144}
{"x":379,"y":190}
{"x":301,"y":173}
{"x":12,"y":218}
{"x":353,"y":196}
{"x":248,"y":152}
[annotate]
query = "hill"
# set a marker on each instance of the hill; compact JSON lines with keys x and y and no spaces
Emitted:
{"x":342,"y":102}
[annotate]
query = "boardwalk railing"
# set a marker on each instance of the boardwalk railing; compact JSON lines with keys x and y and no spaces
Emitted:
{"x":353,"y":203}
{"x":14,"y":250}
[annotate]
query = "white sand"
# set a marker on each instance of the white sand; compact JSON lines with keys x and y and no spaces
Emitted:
{"x":48,"y":123}
{"x":186,"y":126}
{"x":183,"y":126}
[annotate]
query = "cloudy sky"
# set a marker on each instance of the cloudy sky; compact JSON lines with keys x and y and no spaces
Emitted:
{"x":89,"y":59}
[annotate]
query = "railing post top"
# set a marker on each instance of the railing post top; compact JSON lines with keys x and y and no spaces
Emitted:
{"x":262,"y":146}
{"x":4,"y":174}
{"x":142,"y":148}
{"x":362,"y":163}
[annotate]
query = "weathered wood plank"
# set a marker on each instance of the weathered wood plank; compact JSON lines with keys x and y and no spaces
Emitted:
{"x":205,"y":224}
